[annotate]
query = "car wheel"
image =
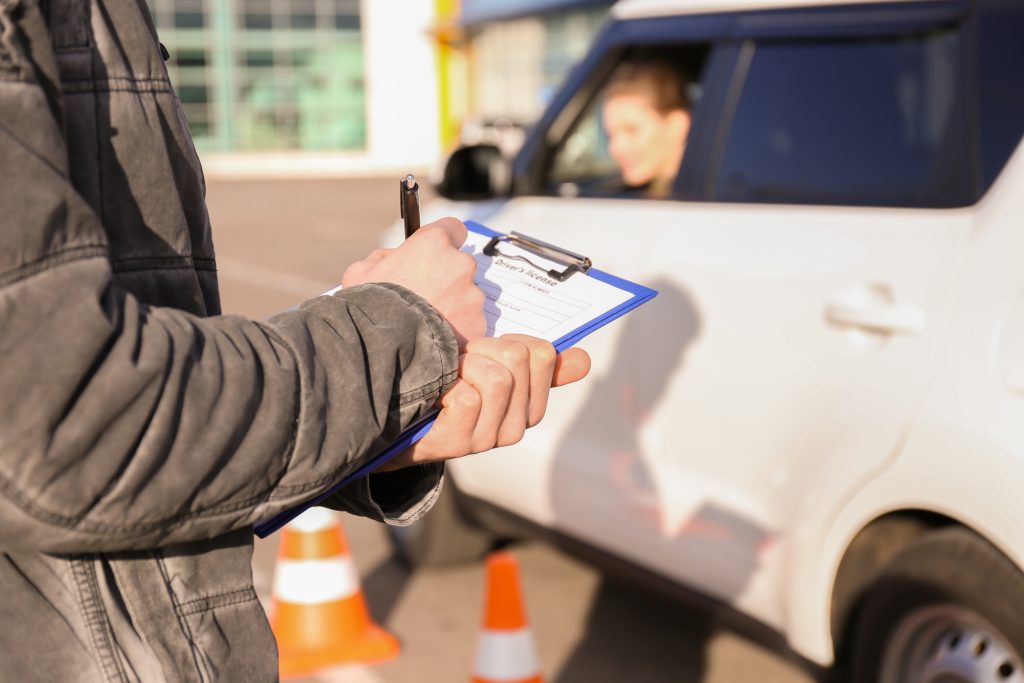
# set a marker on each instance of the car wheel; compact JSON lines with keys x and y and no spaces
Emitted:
{"x":949,"y":609}
{"x":445,"y":535}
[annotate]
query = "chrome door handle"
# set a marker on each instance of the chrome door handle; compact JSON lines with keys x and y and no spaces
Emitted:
{"x":879,"y":318}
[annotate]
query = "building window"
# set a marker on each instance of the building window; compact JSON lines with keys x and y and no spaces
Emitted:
{"x":189,"y":14}
{"x":255,"y":75}
{"x":190,"y":57}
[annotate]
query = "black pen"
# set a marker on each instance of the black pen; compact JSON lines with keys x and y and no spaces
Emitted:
{"x":409,"y":197}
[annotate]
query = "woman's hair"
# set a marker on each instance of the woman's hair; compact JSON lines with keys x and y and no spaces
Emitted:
{"x":656,"y":80}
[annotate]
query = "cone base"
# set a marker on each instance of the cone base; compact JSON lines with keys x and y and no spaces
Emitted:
{"x":531,"y":679}
{"x":375,"y":645}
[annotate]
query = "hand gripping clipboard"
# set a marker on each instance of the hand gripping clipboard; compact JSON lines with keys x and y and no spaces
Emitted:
{"x":536,"y":267}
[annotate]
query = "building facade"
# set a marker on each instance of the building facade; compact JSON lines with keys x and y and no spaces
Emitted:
{"x":378,"y":82}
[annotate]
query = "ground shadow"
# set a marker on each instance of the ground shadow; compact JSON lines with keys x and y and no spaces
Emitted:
{"x":383,"y":587}
{"x":634,"y":635}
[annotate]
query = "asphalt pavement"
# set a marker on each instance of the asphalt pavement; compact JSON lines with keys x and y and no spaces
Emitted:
{"x":281,"y":241}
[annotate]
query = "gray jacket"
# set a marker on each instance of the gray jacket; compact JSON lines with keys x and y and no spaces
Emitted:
{"x":142,"y":434}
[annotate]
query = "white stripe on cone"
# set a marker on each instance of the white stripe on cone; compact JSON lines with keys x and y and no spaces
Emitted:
{"x":312,"y":582}
{"x":506,"y":656}
{"x":313,"y":519}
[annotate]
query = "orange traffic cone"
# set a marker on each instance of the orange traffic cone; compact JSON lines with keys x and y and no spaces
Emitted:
{"x":319,"y":616}
{"x":505,"y":651}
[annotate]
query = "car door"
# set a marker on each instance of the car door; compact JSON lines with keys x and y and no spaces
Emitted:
{"x":802,"y":303}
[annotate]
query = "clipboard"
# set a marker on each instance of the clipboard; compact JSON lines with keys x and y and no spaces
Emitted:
{"x":561,"y":265}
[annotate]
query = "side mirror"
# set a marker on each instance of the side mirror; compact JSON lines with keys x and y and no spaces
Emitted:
{"x":475,"y":172}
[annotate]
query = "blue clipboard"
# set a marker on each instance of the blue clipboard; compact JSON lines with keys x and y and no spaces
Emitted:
{"x":417,"y":431}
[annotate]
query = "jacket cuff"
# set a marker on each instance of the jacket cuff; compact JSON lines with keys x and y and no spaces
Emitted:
{"x":397,"y":498}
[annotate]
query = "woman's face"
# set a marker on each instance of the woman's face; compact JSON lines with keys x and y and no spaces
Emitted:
{"x":646,"y":144}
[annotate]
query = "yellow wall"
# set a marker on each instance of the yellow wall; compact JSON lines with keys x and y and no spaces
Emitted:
{"x":453,"y":71}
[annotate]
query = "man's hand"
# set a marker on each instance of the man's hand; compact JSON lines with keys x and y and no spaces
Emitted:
{"x":430,"y":264}
{"x":501,"y":391}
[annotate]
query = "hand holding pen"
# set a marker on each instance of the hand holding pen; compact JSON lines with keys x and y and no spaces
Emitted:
{"x":503,"y":383}
{"x":430,"y":264}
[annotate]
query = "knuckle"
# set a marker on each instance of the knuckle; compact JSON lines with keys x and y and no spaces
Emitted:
{"x":536,"y":419}
{"x":480,"y":444}
{"x":514,"y":353}
{"x":466,"y":263}
{"x":432,"y":233}
{"x":511,"y":437}
{"x":467,"y":400}
{"x":477,"y":298}
{"x":499,"y":380}
{"x":545,"y":353}
{"x":450,"y":221}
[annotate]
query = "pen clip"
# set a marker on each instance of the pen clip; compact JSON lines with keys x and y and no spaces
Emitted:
{"x":573,"y":262}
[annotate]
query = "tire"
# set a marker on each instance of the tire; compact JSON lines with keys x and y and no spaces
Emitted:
{"x":948,"y":609}
{"x":444,"y":536}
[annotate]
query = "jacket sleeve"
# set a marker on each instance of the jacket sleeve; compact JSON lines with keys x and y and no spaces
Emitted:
{"x":124,"y":425}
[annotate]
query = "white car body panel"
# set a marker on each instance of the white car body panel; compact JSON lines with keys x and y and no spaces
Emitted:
{"x":734,"y":438}
{"x":759,"y":462}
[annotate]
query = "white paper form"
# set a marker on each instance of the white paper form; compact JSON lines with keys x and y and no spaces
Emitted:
{"x":524,"y":299}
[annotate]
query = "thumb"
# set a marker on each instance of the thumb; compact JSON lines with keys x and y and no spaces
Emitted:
{"x":571,"y":366}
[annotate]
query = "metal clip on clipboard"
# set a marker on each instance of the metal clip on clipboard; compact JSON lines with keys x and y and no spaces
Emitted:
{"x":573,"y":262}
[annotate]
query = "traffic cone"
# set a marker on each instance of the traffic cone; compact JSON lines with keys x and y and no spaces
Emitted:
{"x":505,"y":650}
{"x":319,"y":616}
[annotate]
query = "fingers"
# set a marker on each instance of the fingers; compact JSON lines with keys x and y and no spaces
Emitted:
{"x":514,"y":358}
{"x":502,"y":390}
{"x":494,"y":385}
{"x":472,"y":415}
{"x":571,"y":366}
{"x":541,"y":369}
{"x":451,"y":435}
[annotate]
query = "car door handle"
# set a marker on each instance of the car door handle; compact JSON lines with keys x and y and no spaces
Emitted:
{"x":880,"y":318}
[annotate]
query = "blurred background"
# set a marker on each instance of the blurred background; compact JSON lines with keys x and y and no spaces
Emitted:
{"x":360,"y":86}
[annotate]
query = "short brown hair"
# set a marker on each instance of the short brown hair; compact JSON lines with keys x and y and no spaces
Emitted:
{"x":653,"y":79}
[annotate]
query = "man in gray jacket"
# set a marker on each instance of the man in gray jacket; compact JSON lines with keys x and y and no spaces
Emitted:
{"x":142,"y":434}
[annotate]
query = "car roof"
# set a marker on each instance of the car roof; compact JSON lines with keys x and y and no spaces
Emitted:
{"x":638,"y":9}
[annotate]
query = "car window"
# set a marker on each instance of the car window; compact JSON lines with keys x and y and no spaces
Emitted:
{"x":860,"y":122}
{"x":1000,"y":84}
{"x":631,"y":137}
{"x":583,"y":164}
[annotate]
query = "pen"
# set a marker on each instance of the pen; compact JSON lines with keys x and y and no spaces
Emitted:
{"x":409,"y":197}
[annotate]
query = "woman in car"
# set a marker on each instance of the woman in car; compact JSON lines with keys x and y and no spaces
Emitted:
{"x":646,"y":115}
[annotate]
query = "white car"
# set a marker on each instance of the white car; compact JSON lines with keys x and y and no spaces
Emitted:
{"x":819,"y":423}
